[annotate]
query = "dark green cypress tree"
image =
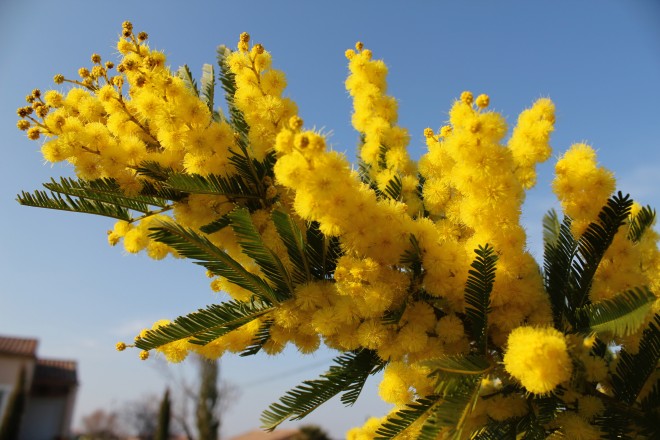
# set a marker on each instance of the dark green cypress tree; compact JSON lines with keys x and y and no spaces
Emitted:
{"x":164,"y":416}
{"x":11,"y":423}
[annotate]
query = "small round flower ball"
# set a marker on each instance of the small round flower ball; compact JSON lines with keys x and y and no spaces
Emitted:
{"x":538,"y":358}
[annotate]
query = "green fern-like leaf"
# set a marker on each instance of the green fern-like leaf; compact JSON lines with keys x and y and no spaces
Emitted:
{"x":618,"y":316}
{"x":322,"y":252}
{"x":394,"y":188}
{"x":194,"y":246}
{"x":106,"y":191}
{"x":253,"y":246}
{"x":186,"y":75}
{"x":640,"y":223}
{"x":208,"y":86}
{"x":216,"y":225}
{"x":228,"y":83}
{"x":496,"y":431}
{"x":459,"y":364}
{"x":204,"y":325}
{"x":42,"y":199}
{"x":404,"y":418}
{"x":557,"y":269}
{"x":232,"y":187}
{"x":477,"y":294}
{"x":260,"y":338}
{"x":551,"y":228}
{"x":294,"y":241}
{"x":632,"y":371}
{"x":593,"y":244}
{"x":349,"y":375}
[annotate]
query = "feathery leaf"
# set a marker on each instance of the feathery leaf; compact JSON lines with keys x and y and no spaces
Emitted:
{"x":633,"y":370}
{"x":294,"y":241}
{"x":350,"y":374}
{"x":249,"y":239}
{"x":592,"y":246}
{"x":551,"y":228}
{"x":42,"y":199}
{"x":204,"y":325}
{"x":186,"y":75}
{"x":477,"y":294}
{"x":208,"y":85}
{"x":640,"y":223}
{"x":620,"y":315}
{"x":458,"y":364}
{"x":104,"y":190}
{"x":191,"y":245}
{"x":404,"y":418}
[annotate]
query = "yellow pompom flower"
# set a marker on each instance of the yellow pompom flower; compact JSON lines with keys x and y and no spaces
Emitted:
{"x":538,"y":358}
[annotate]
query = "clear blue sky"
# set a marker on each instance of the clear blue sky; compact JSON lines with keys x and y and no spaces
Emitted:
{"x":59,"y":280}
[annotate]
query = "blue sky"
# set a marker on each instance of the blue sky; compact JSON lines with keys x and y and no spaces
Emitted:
{"x":59,"y":280}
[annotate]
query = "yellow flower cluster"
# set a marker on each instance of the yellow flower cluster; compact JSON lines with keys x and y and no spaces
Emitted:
{"x":474,"y":190}
{"x":258,"y":95}
{"x":384,"y":151}
{"x":538,"y":357}
{"x":582,"y":186}
{"x":398,"y":286}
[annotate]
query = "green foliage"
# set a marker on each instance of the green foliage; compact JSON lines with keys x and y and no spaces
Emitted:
{"x":617,"y":316}
{"x":477,"y":294}
{"x":592,"y":246}
{"x":570,"y":264}
{"x":348,"y":376}
{"x":296,"y":248}
{"x":191,"y":245}
{"x":634,"y":370}
{"x":208,"y":86}
{"x":459,"y":364}
{"x":42,"y":199}
{"x":640,"y":223}
{"x":404,"y":418}
{"x":204,"y":325}
{"x":254,"y":247}
{"x":186,"y":75}
{"x":322,"y":252}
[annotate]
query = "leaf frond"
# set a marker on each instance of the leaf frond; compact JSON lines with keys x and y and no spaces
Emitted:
{"x":619,"y":316}
{"x":640,"y":223}
{"x":404,"y":418}
{"x":252,"y":245}
{"x":477,"y":294}
{"x":594,"y":242}
{"x":232,"y":187}
{"x":191,"y":245}
{"x":186,"y":75}
{"x":459,"y":364}
{"x":104,"y":190}
{"x":295,"y":244}
{"x":551,"y":228}
{"x":633,"y":370}
{"x":350,"y":374}
{"x":42,"y":199}
{"x":204,"y":325}
{"x":208,"y":86}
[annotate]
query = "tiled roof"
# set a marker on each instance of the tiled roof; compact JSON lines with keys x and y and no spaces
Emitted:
{"x":278,"y":434}
{"x":54,"y":371}
{"x":18,"y":346}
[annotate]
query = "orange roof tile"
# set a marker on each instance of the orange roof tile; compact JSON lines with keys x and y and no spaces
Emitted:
{"x":18,"y":346}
